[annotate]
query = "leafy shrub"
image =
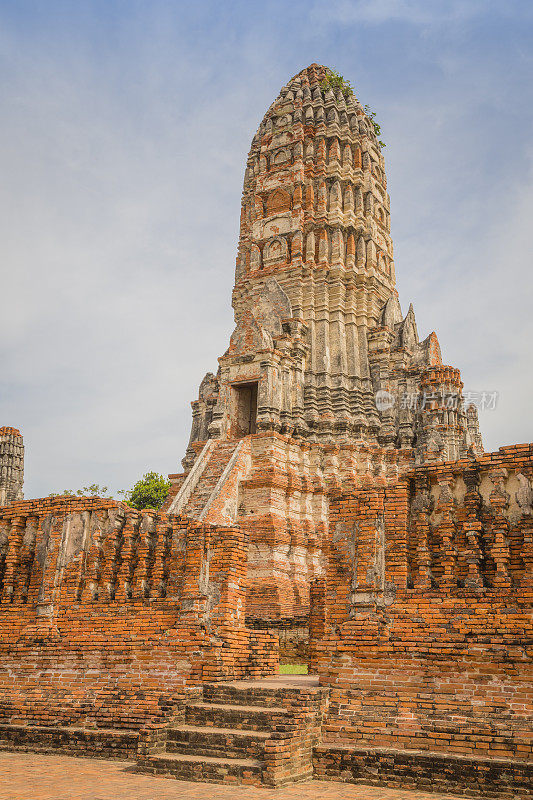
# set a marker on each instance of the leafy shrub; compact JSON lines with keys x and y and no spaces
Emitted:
{"x":150,"y":491}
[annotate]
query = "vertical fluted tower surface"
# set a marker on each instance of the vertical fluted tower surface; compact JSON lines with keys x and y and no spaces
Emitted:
{"x":11,"y":465}
{"x":315,"y":216}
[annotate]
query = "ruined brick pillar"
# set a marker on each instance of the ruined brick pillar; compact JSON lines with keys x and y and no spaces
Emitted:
{"x":11,"y":465}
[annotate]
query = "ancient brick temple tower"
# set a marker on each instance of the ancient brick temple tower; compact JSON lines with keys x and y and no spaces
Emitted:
{"x":324,"y":378}
{"x":336,"y":508}
{"x":319,"y":326}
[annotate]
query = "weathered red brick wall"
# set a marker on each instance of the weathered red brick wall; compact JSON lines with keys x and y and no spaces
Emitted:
{"x":106,"y":613}
{"x":284,"y":512}
{"x":423,"y":626}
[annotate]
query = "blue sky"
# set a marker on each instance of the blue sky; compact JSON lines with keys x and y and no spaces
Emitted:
{"x":125,"y":129}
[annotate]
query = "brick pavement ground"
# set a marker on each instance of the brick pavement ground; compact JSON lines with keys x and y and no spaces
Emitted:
{"x":28,"y":776}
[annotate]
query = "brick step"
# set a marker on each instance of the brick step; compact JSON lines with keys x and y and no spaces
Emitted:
{"x":203,"y":768}
{"x":70,"y":740}
{"x":224,"y":715}
{"x":218,"y":742}
{"x":227,"y":694}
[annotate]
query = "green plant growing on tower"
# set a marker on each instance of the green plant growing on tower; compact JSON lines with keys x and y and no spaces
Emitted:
{"x":377,"y":127}
{"x":334,"y":80}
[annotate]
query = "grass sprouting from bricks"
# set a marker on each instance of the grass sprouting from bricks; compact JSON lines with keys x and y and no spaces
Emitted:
{"x":293,"y":669}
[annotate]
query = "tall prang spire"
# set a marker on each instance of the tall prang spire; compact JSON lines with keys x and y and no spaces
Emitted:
{"x":315,"y":173}
{"x":319,"y":330}
{"x":315,"y":220}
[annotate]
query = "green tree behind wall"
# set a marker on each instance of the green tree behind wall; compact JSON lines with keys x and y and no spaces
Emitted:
{"x":150,"y":491}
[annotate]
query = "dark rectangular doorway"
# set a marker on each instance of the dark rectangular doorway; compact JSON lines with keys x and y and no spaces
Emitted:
{"x":246,"y":409}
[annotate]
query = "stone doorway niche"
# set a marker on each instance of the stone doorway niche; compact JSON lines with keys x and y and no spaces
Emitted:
{"x":244,"y":409}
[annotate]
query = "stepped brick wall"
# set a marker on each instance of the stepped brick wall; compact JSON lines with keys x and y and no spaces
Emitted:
{"x":106,"y":613}
{"x":423,"y":626}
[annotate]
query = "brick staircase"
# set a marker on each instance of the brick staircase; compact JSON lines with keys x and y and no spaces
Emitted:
{"x":200,"y":485}
{"x":247,"y":732}
{"x":259,"y":733}
{"x":218,"y":461}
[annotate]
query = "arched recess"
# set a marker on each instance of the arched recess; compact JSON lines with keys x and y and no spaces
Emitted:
{"x":282,"y":156}
{"x":278,"y":202}
{"x":275,"y":250}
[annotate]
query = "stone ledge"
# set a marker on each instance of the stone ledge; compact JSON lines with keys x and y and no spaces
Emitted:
{"x":75,"y":741}
{"x":472,"y":776}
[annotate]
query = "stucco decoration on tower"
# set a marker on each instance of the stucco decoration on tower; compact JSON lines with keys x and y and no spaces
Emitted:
{"x":319,"y":323}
